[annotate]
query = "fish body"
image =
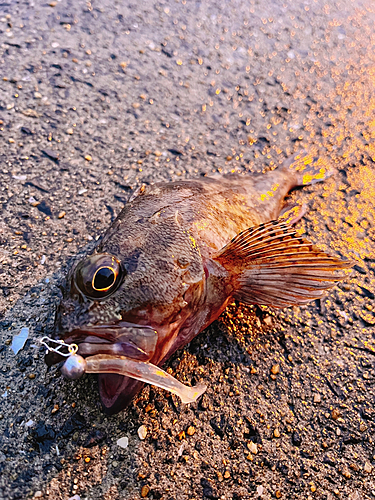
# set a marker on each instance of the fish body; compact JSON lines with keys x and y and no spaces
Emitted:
{"x":173,"y":259}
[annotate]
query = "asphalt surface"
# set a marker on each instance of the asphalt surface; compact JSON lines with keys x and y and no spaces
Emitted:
{"x":96,"y":99}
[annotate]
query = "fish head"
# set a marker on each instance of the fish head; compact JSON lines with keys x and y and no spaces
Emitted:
{"x":131,"y":297}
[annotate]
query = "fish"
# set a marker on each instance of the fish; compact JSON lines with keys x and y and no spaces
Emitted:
{"x":177,"y":254}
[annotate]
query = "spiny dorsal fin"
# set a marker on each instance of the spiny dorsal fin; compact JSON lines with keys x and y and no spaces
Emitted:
{"x":272,"y":265}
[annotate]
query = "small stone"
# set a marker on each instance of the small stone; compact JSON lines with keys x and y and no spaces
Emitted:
{"x":142,"y":432}
{"x":157,"y":153}
{"x":268,"y":320}
{"x":313,"y":488}
{"x":52,"y":4}
{"x":367,"y":468}
{"x":190,"y":431}
{"x":30,"y":112}
{"x":362,"y":427}
{"x":276,"y":433}
{"x":226,"y":474}
{"x":317,"y":398}
{"x":278,"y":494}
{"x":145,"y":491}
{"x":123,"y":64}
{"x":88,"y":157}
{"x":70,"y":131}
{"x":114,"y":464}
{"x":260,"y":490}
{"x":38,"y":494}
{"x":11,"y":141}
{"x":61,"y":215}
{"x":253,"y":448}
{"x":181,"y":435}
{"x":123,"y":442}
{"x":275,"y":369}
{"x":32,"y":376}
{"x":37,"y":95}
{"x":296,"y":439}
{"x":346,"y":473}
{"x":335,"y":414}
{"x":136,"y":105}
{"x":55,"y":409}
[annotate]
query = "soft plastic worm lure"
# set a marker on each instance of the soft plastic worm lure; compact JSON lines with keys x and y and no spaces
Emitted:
{"x":75,"y":366}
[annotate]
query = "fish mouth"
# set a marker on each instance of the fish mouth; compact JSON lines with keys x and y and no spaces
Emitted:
{"x":122,"y":339}
{"x":121,"y":355}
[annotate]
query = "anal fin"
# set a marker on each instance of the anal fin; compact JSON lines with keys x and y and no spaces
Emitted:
{"x":271,"y":265}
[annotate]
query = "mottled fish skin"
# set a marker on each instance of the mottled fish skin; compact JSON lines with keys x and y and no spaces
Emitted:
{"x":166,"y":239}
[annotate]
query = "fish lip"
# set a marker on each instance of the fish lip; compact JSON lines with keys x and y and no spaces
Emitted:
{"x":100,"y":334}
{"x":121,"y":338}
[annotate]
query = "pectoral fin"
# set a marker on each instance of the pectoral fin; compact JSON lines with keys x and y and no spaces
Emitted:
{"x":272,"y":265}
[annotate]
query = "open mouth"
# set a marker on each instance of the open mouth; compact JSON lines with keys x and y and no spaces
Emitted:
{"x":120,"y":349}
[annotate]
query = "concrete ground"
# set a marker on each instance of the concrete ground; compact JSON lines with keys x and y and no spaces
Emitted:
{"x":98,"y":98}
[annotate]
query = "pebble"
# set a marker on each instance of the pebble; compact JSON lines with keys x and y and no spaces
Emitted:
{"x":61,"y":215}
{"x":38,"y":494}
{"x":317,"y":398}
{"x":123,"y":442}
{"x":346,"y":473}
{"x":275,"y":369}
{"x":32,"y":376}
{"x":252,"y":447}
{"x":157,"y":153}
{"x":296,"y":439}
{"x":278,"y":494}
{"x":190,"y":431}
{"x":335,"y":414}
{"x":37,"y":95}
{"x":276,"y":433}
{"x":75,"y":497}
{"x":88,"y":157}
{"x":145,"y":491}
{"x":70,"y":131}
{"x":142,"y":432}
{"x":260,"y":490}
{"x":368,"y":468}
{"x":268,"y":320}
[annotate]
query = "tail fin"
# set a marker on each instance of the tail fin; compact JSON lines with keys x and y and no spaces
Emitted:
{"x":307,"y":168}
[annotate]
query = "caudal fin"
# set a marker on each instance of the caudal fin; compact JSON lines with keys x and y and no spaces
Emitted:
{"x":307,"y":168}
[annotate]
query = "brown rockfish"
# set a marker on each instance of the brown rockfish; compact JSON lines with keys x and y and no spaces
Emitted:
{"x":173,"y":259}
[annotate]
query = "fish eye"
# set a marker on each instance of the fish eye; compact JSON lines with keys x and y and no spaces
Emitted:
{"x":98,"y":276}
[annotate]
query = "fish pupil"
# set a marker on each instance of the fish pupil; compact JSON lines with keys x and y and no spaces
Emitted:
{"x":104,"y":278}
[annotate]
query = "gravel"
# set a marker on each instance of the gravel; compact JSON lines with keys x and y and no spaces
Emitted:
{"x":97,"y":99}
